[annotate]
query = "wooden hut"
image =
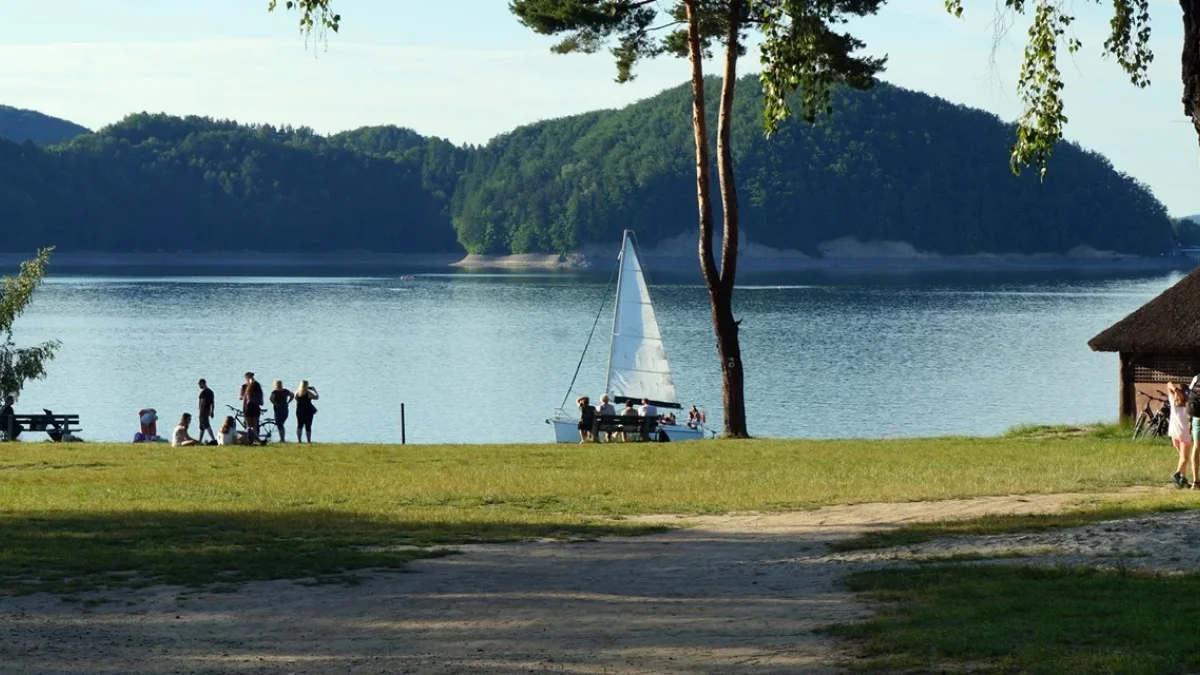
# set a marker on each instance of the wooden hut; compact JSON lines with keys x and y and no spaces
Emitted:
{"x":1159,"y":342}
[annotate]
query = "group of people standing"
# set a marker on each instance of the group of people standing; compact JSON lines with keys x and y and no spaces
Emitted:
{"x":252,"y":402}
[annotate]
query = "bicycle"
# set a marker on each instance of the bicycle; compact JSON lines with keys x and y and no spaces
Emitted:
{"x":266,"y":425}
{"x":1153,"y":423}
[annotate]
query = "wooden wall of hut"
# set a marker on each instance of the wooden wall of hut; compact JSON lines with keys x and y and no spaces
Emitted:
{"x":1143,"y":375}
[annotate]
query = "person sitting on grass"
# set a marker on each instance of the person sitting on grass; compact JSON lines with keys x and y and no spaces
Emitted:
{"x":180,"y":437}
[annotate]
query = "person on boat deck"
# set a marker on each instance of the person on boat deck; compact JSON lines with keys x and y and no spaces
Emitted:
{"x":587,"y":418}
{"x":606,"y":408}
{"x":669,"y":420}
{"x":180,"y":437}
{"x":693,"y":417}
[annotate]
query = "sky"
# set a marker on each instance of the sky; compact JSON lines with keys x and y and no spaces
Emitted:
{"x":467,"y":71}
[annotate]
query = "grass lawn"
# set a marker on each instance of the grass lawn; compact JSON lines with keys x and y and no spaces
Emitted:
{"x":1013,"y":619}
{"x":85,"y":515}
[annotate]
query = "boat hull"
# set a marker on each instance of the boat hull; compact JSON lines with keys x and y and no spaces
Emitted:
{"x":567,"y":431}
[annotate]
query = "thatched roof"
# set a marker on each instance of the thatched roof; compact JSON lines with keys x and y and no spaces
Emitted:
{"x":1168,"y":324}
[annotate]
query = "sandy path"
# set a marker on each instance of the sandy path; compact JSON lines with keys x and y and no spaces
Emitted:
{"x":732,"y":594}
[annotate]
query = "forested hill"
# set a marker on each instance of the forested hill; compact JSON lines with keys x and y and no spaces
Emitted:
{"x":162,"y":183}
{"x":890,"y":164}
{"x":26,"y":125}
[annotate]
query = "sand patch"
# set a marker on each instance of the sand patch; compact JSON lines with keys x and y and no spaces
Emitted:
{"x":730,"y":594}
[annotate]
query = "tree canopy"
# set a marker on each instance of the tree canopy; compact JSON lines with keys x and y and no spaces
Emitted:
{"x":889,"y":164}
{"x":163,"y":183}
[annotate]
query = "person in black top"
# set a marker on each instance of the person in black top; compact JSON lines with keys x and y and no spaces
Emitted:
{"x":305,"y":395}
{"x":7,"y":424}
{"x":280,"y":398}
{"x":207,"y":405}
{"x":587,"y":418}
{"x":252,"y":402}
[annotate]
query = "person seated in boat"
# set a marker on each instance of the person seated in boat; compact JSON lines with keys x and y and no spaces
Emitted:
{"x":587,"y":419}
{"x":606,"y":408}
{"x":669,"y":419}
{"x":693,"y":418}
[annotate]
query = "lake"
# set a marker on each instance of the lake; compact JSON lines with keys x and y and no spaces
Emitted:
{"x":488,"y":357}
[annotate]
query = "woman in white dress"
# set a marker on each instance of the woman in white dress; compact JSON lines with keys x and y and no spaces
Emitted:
{"x":1180,"y":431}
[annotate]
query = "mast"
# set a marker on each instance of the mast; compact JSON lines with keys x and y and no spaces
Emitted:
{"x":616,"y":310}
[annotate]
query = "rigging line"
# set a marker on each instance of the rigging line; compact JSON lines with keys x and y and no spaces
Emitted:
{"x":562,"y":406}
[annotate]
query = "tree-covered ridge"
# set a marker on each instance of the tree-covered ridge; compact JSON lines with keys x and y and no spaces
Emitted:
{"x":164,"y":183}
{"x":889,"y":164}
{"x":17,"y":124}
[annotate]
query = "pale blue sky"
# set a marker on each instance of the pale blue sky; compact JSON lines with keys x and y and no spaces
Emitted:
{"x":466,"y":70}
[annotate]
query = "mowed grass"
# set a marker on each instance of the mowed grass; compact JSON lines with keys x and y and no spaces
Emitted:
{"x":994,"y":619}
{"x":86,"y":515}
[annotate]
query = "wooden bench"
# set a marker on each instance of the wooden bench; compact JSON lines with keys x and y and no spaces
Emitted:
{"x":634,"y":426}
{"x":53,"y":424}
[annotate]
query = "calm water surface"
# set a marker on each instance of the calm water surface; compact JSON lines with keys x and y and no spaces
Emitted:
{"x":487,"y":358}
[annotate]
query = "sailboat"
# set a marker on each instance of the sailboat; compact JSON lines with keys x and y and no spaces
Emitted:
{"x":637,"y":360}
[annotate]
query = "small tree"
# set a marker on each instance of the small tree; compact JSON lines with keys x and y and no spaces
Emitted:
{"x":18,"y":365}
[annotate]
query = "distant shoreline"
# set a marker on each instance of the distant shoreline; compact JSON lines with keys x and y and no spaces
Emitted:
{"x":363,"y":262}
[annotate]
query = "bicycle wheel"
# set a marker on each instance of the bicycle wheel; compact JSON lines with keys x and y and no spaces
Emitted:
{"x":1140,"y":425}
{"x":266,"y":430}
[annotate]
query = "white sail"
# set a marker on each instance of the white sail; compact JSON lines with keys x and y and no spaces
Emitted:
{"x":637,"y":362}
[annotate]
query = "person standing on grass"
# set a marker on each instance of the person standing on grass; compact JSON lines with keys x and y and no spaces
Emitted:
{"x":252,"y":402}
{"x":1180,"y":431}
{"x":1193,"y":410}
{"x":280,"y":398}
{"x":587,"y":419}
{"x":207,"y":405}
{"x":304,"y":396}
{"x":180,"y":437}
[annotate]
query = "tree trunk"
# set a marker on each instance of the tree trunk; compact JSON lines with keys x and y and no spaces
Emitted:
{"x":732,"y":380}
{"x":1191,"y":61}
{"x":708,"y":265}
{"x":719,"y":284}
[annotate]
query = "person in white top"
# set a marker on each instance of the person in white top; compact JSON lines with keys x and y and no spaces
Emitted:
{"x":1180,"y":431}
{"x":228,"y":433}
{"x":649,"y":412}
{"x":180,"y":437}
